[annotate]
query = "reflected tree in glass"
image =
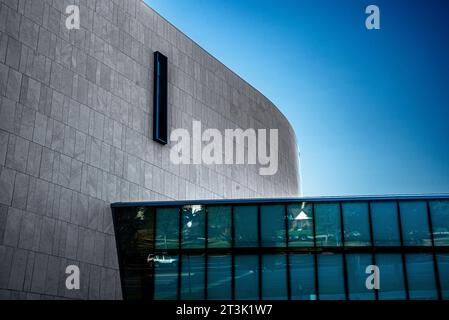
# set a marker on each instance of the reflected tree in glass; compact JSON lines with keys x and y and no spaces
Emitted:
{"x":439,"y":210}
{"x":384,"y":217}
{"x":167,"y":228}
{"x":328,"y":227}
{"x":356,"y":224}
{"x":245,"y":226}
{"x":300,"y":225}
{"x":272,"y":225}
{"x":193,"y":227}
{"x":415,"y":223}
{"x":219,"y":227}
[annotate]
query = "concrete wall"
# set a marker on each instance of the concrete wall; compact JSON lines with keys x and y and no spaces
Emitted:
{"x":75,"y":124}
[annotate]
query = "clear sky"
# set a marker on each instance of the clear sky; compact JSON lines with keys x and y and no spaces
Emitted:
{"x":370,"y":108}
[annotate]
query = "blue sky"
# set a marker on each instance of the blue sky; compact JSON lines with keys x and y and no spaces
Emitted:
{"x":370,"y":108}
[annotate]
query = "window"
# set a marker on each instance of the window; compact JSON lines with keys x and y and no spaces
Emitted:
{"x":219,"y":229}
{"x":166,"y":277}
{"x":384,"y":217}
{"x":330,"y":277}
{"x":328,"y":227}
{"x":443,"y":269}
{"x":167,"y":228}
{"x":356,"y":264}
{"x":272,"y":225}
{"x":219,"y":277}
{"x":246,"y":224}
{"x":274,"y":277}
{"x":246,"y":277}
{"x":192,"y":277}
{"x":300,"y":225}
{"x":415,"y":223}
{"x":193,"y":227}
{"x":391,"y":276}
{"x":160,"y":115}
{"x":302,"y":276}
{"x":421,"y":276}
{"x":356,"y":224}
{"x":439,"y":211}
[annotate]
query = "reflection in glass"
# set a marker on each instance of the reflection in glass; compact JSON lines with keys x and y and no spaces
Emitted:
{"x":439,"y":211}
{"x":219,"y":277}
{"x":274,"y":277}
{"x":385,"y":223}
{"x":330,"y":277}
{"x":245,"y":220}
{"x":167,"y":228}
{"x":328,"y":228}
{"x":192,"y":277}
{"x":356,"y":264}
{"x":272,"y":226}
{"x":443,"y":271}
{"x":302,"y":276}
{"x":391,"y":276}
{"x":421,"y":276}
{"x":219,"y":227}
{"x":300,"y":225}
{"x":166,"y":277}
{"x":415,"y":223}
{"x":193,"y":227}
{"x":246,"y":277}
{"x":356,"y":224}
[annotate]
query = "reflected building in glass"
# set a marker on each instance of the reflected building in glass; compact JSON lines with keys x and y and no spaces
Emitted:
{"x":284,"y":249}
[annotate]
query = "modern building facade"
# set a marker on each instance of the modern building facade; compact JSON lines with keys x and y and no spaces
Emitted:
{"x":287,"y":249}
{"x":76,"y":118}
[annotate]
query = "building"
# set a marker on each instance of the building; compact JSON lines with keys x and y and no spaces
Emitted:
{"x":76,"y":134}
{"x":287,"y":249}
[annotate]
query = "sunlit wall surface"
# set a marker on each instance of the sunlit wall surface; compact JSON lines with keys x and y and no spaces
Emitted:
{"x":314,"y":249}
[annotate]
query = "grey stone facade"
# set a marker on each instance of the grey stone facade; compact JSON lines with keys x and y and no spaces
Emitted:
{"x":75,"y":136}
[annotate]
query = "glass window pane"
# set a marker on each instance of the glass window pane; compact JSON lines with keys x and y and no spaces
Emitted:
{"x":245,"y":220}
{"x":356,"y":264}
{"x":246,"y":277}
{"x":219,"y":277}
{"x":300,"y":225}
{"x":192,"y":277}
{"x":274,"y":277}
{"x":302,"y":276}
{"x":356,"y":224}
{"x":443,"y":270}
{"x":167,"y":228}
{"x":272,"y":225}
{"x":193,"y":227}
{"x":415,"y":223}
{"x":328,"y":228}
{"x":166,"y":277}
{"x":384,"y":217}
{"x":330,"y":277}
{"x":421,"y":276}
{"x":391,"y":276}
{"x":439,"y":210}
{"x":219,"y":227}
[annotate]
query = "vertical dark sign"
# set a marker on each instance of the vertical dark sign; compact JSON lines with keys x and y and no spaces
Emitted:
{"x":160,"y":98}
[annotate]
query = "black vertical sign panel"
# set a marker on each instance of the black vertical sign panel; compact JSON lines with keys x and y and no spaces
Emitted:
{"x":160,"y":125}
